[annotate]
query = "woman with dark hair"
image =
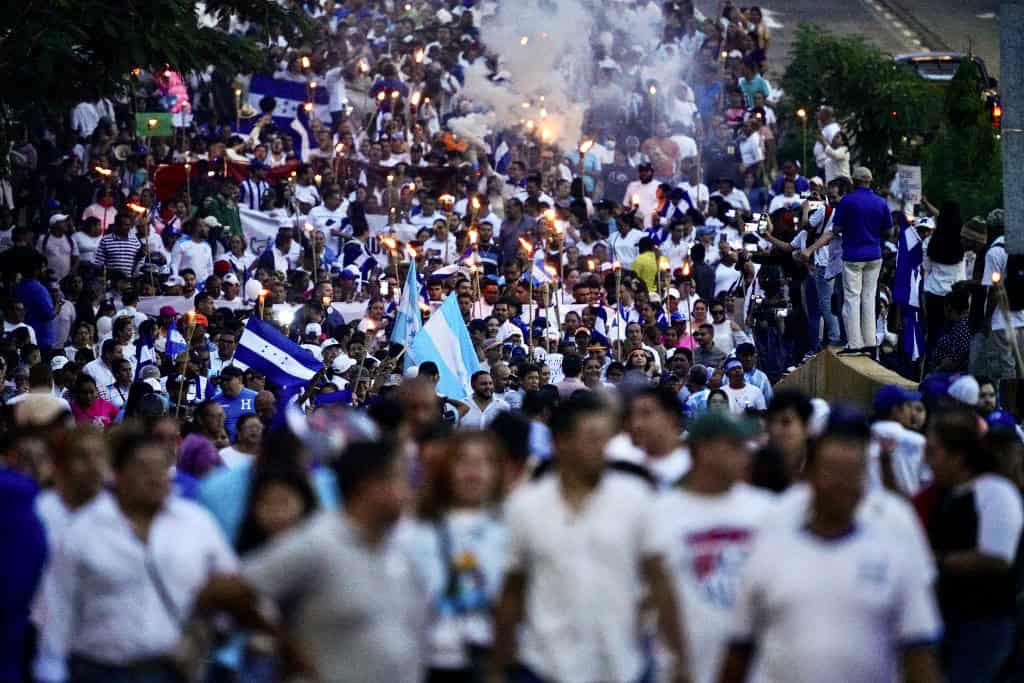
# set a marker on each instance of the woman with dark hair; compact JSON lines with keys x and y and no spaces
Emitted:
{"x":943,"y":267}
{"x":974,"y":519}
{"x":280,"y":496}
{"x":137,"y":391}
{"x":718,"y":401}
{"x":458,"y":543}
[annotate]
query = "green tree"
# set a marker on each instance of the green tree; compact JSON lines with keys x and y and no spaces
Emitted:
{"x":882,"y":107}
{"x":55,"y":53}
{"x":964,"y":163}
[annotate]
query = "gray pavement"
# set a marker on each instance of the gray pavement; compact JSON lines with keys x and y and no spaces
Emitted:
{"x":961,"y":25}
{"x":893,"y":25}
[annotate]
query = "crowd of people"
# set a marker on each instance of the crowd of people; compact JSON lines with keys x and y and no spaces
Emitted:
{"x":611,"y":493}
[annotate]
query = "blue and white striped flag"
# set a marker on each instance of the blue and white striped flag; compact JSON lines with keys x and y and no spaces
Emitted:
{"x":501,"y":156}
{"x":539,"y":271}
{"x":284,"y":363}
{"x":445,"y":340}
{"x":289,"y":96}
{"x":408,"y":320}
{"x":175,"y":342}
{"x":144,"y":353}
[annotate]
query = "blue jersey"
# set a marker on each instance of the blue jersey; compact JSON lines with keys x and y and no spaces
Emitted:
{"x":235,"y":408}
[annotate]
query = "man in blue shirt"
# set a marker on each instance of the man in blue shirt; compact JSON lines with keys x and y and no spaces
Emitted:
{"x":234,"y":398}
{"x":862,"y":219}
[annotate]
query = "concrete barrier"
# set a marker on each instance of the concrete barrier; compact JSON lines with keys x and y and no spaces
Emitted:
{"x":854,"y":379}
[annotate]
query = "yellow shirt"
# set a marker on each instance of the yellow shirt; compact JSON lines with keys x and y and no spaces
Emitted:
{"x":646,"y":268}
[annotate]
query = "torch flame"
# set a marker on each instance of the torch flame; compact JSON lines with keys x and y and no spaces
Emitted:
{"x":418,"y":56}
{"x":549,"y":215}
{"x":636,"y":200}
{"x":686,"y":269}
{"x":381,"y":95}
{"x":410,"y":251}
{"x":524,"y":40}
{"x":395,"y":94}
{"x":997,"y":277}
{"x":591,"y":264}
{"x":416,"y":99}
{"x":103,"y":171}
{"x":653,"y":90}
{"x":525,"y":244}
{"x":305,"y":62}
{"x":616,"y":265}
{"x":585,"y":146}
{"x":473,"y":236}
{"x":137,"y":208}
{"x":390,"y":243}
{"x":476,"y":203}
{"x":308,"y":106}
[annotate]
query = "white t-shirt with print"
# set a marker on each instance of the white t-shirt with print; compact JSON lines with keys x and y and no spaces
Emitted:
{"x":707,"y":541}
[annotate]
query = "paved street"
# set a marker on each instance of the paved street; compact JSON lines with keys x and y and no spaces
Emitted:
{"x":894,"y":25}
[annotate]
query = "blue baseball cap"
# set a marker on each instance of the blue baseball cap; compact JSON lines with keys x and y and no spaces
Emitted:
{"x":1001,"y":418}
{"x":892,"y":395}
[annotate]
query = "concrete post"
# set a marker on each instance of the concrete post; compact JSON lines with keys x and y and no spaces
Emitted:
{"x":1011,"y":86}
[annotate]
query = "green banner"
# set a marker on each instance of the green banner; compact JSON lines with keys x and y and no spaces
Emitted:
{"x":156,"y":124}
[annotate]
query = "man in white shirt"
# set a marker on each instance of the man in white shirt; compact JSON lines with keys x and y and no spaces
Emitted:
{"x":697,"y":190}
{"x":896,"y":457}
{"x":734,"y":197}
{"x":193,"y":251}
{"x":126,"y":574}
{"x":709,"y":526}
{"x":625,"y":242}
{"x":57,"y":246}
{"x":677,"y":247}
{"x":102,"y":369}
{"x":441,"y":245}
{"x":329,"y":218}
{"x":866,"y":577}
{"x":484,"y":406}
{"x":642,"y":194}
{"x":598,"y":539}
{"x":741,"y":395}
{"x":654,"y":425}
{"x":428,"y":213}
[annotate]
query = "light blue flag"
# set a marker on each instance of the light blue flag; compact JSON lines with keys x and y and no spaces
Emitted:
{"x":408,"y":320}
{"x":445,"y":340}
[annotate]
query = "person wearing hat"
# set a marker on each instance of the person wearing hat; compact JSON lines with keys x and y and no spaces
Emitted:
{"x":231,"y":289}
{"x":872,"y":574}
{"x":896,"y":459}
{"x":741,"y":395}
{"x":58,"y":247}
{"x":863,"y":220}
{"x":712,"y":498}
{"x":234,"y":398}
{"x":192,"y":250}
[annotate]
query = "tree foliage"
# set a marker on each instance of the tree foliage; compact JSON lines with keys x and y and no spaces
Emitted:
{"x":964,"y":163}
{"x":54,"y":53}
{"x":882,"y":107}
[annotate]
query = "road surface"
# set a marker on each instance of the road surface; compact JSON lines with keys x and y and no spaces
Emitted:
{"x":894,"y":25}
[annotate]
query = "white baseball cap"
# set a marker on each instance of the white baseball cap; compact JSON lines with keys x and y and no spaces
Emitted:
{"x":58,"y":217}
